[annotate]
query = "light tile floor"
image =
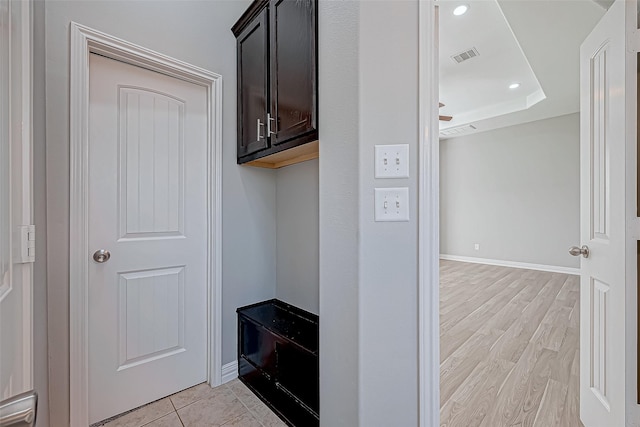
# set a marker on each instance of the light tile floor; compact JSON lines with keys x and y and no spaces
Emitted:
{"x":229,"y":405}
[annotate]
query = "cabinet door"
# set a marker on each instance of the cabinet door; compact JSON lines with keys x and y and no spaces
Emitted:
{"x":293,"y":69}
{"x":257,"y":345}
{"x":298,"y":373}
{"x":253,"y":77}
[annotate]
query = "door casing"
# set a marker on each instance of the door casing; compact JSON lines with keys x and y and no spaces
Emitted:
{"x":84,"y":41}
{"x":19,"y":105}
{"x":428,"y":217}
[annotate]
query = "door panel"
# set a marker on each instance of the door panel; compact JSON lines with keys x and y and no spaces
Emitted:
{"x":599,"y":94}
{"x":603,"y":140}
{"x":151,"y":167}
{"x":151,"y":315}
{"x":598,"y":336}
{"x":148,"y":208}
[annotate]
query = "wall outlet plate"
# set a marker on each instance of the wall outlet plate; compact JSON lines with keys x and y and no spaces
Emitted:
{"x":391,"y":204}
{"x":392,"y":161}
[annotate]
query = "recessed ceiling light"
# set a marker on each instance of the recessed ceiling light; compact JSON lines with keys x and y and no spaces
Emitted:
{"x":514,"y":85}
{"x":461,"y":10}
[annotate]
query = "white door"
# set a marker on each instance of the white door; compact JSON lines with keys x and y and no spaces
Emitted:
{"x":148,"y":209}
{"x":15,"y":210}
{"x":604,"y":135}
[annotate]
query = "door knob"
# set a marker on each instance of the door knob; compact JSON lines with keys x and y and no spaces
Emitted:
{"x":576,"y":251}
{"x":101,"y":256}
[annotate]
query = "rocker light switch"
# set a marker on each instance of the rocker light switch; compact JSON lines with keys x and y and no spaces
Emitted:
{"x":391,"y":204}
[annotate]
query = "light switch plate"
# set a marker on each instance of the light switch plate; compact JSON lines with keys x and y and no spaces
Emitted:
{"x":392,"y":161}
{"x":391,"y":204}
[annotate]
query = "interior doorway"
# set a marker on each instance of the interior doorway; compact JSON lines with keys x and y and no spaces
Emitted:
{"x":509,"y":210}
{"x":157,"y":289}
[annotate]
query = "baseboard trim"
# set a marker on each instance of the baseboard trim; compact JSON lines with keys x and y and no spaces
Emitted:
{"x":514,"y":264}
{"x":229,"y":371}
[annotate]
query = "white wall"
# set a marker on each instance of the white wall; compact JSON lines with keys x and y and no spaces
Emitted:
{"x":515,"y":191}
{"x":193,"y":31}
{"x":297,"y":235}
{"x":368,"y":271}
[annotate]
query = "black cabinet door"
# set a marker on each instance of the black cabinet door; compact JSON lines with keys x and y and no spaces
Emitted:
{"x":293,"y":70}
{"x":253,"y":77}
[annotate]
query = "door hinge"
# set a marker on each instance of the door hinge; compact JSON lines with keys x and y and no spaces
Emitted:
{"x":27,"y":244}
{"x":633,"y":41}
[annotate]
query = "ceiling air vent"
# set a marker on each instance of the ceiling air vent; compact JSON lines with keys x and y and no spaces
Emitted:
{"x":467,"y":54}
{"x":460,"y":130}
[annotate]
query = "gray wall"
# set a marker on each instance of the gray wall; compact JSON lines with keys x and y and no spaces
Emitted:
{"x":338,"y":68}
{"x":388,"y":251}
{"x":368,"y":271}
{"x":193,"y":31}
{"x":515,"y":191}
{"x":297,"y":235}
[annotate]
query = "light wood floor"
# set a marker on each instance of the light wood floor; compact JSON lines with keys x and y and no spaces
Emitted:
{"x":509,"y":347}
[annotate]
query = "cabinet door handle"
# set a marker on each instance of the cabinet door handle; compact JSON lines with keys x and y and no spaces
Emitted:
{"x":269,"y":119}
{"x":260,"y":124}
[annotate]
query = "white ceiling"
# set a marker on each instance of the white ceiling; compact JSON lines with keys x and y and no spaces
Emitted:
{"x":532,"y":42}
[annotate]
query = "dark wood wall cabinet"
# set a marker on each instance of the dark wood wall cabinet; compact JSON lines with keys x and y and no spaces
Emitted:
{"x":278,"y":359}
{"x":277,"y":82}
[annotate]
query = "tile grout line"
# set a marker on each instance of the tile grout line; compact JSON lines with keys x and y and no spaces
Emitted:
{"x":249,"y":411}
{"x":176,"y":411}
{"x":253,"y":414}
{"x":162,"y":416}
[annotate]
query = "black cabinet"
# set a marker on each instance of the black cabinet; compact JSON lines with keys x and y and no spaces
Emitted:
{"x":278,"y":359}
{"x":277,"y":79}
{"x":253,"y":73}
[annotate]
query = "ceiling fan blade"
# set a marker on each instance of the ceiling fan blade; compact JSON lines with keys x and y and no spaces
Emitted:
{"x":445,"y":118}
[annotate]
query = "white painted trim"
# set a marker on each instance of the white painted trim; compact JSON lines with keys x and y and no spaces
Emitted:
{"x":229,"y":371}
{"x":428,"y":219}
{"x":19,"y":102}
{"x":513,"y":264}
{"x":84,"y":41}
{"x":26,"y":138}
{"x":631,"y":244}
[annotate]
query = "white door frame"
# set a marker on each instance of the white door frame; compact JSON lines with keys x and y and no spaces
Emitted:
{"x":20,"y":14}
{"x":632,"y":395}
{"x":428,"y":218}
{"x":22,"y":112}
{"x":85,"y":41}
